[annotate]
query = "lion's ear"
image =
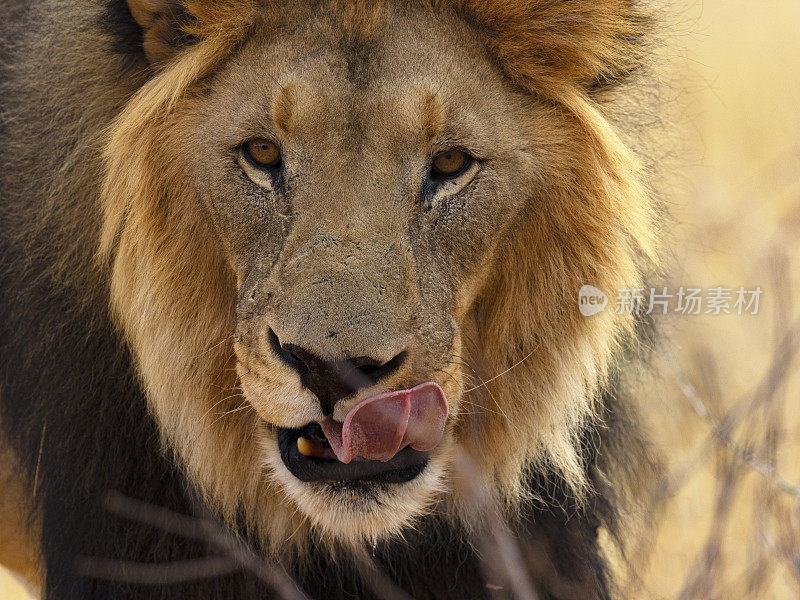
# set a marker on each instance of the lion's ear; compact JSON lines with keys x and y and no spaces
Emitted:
{"x":162,"y":24}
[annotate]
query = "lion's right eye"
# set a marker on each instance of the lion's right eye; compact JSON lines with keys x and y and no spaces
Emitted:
{"x":450,"y":164}
{"x":263,"y":153}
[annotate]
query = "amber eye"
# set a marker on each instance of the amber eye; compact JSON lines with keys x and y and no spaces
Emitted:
{"x":264,"y":154}
{"x":450,"y":163}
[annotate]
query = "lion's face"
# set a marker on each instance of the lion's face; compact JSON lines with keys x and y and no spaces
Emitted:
{"x":359,"y":188}
{"x":347,"y":243}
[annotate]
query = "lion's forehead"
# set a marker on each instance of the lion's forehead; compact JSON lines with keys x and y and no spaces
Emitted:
{"x":389,"y":90}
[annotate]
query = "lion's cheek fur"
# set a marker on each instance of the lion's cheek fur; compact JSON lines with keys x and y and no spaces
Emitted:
{"x":172,"y":293}
{"x":587,"y":221}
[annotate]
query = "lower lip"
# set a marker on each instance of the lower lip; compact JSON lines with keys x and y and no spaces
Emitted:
{"x":404,"y":467}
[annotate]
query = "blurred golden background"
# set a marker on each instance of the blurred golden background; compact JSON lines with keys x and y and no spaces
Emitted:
{"x":726,"y":527}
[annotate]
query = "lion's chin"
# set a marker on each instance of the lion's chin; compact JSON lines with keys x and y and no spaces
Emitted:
{"x":369,"y":509}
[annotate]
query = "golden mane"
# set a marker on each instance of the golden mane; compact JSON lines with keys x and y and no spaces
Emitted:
{"x":173,"y":291}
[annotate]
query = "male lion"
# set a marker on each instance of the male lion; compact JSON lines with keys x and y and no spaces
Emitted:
{"x":311,"y":268}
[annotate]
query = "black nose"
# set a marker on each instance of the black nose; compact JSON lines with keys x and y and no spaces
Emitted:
{"x":332,"y":380}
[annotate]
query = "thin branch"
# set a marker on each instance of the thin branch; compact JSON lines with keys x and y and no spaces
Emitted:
{"x":721,"y":430}
{"x":235,"y":552}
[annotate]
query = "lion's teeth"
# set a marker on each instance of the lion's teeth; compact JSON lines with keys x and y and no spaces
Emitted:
{"x":311,"y":448}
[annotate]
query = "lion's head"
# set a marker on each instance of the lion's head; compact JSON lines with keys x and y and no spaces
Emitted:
{"x":369,"y":221}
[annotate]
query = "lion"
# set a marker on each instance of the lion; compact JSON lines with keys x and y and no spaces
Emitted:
{"x":311,"y":269}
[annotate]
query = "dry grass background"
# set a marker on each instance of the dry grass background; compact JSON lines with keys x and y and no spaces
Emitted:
{"x":725,"y":530}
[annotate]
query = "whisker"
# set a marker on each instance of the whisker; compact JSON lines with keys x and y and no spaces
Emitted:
{"x":220,"y":401}
{"x":244,"y":406}
{"x":511,"y":368}
{"x":210,"y":348}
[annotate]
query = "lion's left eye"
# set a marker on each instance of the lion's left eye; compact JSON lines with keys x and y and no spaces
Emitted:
{"x":263,"y":153}
{"x":450,"y":163}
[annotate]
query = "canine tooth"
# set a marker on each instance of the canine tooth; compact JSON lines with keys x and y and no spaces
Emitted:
{"x":308,"y":447}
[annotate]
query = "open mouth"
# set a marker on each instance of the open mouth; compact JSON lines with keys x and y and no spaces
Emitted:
{"x":387,"y":438}
{"x":308,"y":455}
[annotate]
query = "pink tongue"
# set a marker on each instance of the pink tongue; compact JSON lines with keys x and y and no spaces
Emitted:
{"x":379,"y":427}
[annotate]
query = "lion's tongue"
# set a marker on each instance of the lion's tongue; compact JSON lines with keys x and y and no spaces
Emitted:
{"x":379,"y":427}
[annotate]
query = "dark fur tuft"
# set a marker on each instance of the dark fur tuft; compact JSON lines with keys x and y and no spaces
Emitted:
{"x":117,"y":22}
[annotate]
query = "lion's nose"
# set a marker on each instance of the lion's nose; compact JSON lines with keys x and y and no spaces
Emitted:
{"x":331,"y":381}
